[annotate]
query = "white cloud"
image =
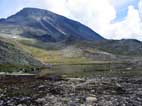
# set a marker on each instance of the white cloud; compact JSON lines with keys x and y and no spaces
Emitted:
{"x":98,"y":14}
{"x":128,"y":28}
{"x":121,"y":3}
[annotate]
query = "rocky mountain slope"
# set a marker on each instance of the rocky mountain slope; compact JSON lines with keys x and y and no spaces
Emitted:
{"x":52,"y":38}
{"x":121,"y":47}
{"x":45,"y":26}
{"x":12,"y":54}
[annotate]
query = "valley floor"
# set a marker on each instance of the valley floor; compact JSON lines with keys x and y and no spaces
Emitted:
{"x":97,"y":91}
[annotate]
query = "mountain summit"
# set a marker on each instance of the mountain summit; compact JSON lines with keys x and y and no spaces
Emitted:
{"x":45,"y":26}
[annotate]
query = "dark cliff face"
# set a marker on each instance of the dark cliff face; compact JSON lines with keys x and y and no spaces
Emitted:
{"x":46,"y":26}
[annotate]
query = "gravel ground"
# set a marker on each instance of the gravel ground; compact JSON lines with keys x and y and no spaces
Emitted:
{"x":99,"y":91}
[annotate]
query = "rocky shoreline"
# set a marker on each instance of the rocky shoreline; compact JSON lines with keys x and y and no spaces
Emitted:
{"x":99,"y":91}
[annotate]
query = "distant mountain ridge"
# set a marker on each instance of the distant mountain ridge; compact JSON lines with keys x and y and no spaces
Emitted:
{"x":46,"y":26}
{"x":121,"y":47}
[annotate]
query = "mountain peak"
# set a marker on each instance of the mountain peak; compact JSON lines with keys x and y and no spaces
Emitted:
{"x":32,"y":12}
{"x":47,"y":26}
{"x":32,"y":8}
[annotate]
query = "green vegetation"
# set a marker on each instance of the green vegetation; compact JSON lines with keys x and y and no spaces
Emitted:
{"x":68,"y":55}
{"x":39,"y":44}
{"x":58,"y":57}
{"x":11,"y":53}
{"x":10,"y":68}
{"x":54,"y":56}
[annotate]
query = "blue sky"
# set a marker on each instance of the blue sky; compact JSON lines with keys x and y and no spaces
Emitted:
{"x":8,"y":7}
{"x":123,"y":10}
{"x":107,"y":17}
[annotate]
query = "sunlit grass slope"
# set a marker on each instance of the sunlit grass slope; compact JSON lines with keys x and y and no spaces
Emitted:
{"x":56,"y":56}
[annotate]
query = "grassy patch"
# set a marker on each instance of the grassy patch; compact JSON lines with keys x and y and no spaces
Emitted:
{"x":59,"y":57}
{"x":54,"y":56}
{"x":17,"y":68}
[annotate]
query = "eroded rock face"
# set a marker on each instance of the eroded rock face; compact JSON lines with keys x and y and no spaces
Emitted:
{"x":99,"y":91}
